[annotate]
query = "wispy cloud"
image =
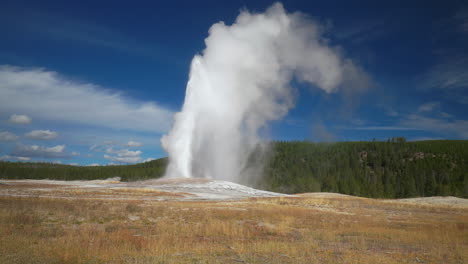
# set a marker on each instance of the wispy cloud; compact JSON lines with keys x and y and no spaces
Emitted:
{"x":462,"y":18}
{"x":61,"y":28}
{"x":362,"y":31}
{"x":391,"y":112}
{"x":35,"y":151}
{"x":19,"y":119}
{"x":453,"y":128}
{"x":148,"y":159}
{"x":449,"y":128}
{"x":133,"y":144}
{"x":124,"y":152}
{"x":41,"y":134}
{"x":14,"y":158}
{"x":428,"y":117}
{"x":386,"y":128}
{"x":321,"y":133}
{"x":7,"y":136}
{"x":450,"y":62}
{"x":122,"y":159}
{"x":102,"y":147}
{"x":428,"y":107}
{"x":48,"y":96}
{"x":95,"y":35}
{"x":433,"y":109}
{"x":123,"y":155}
{"x":449,"y":73}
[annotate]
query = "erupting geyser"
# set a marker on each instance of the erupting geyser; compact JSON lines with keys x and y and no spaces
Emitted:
{"x":239,"y":83}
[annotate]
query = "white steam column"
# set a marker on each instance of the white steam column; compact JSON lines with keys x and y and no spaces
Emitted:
{"x":239,"y":83}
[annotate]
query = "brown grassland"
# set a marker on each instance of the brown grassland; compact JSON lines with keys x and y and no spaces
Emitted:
{"x":304,"y":229}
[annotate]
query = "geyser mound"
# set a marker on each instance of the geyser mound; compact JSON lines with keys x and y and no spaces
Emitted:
{"x":239,"y":83}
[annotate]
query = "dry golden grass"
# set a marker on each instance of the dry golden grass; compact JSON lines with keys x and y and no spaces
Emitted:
{"x":262,"y":230}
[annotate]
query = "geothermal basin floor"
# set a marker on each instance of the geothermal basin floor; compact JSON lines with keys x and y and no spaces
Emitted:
{"x":161,"y":189}
{"x":176,"y":189}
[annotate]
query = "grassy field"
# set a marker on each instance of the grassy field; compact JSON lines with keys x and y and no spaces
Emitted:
{"x":78,"y":228}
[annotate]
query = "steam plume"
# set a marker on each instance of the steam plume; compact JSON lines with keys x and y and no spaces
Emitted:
{"x":241,"y":82}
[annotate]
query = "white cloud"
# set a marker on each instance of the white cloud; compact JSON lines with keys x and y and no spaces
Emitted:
{"x":104,"y":146}
{"x":448,"y":73}
{"x":445,"y":115}
{"x":93,"y":164}
{"x":123,"y":155}
{"x":134,"y":144}
{"x":35,"y":151}
{"x":70,"y":101}
{"x":7,"y":136}
{"x":428,"y":117}
{"x":8,"y":157}
{"x":384,"y":128}
{"x":95,"y":147}
{"x":434,"y":110}
{"x":41,"y":134}
{"x":148,"y":159}
{"x":124,"y":152}
{"x":16,"y":119}
{"x":74,"y":153}
{"x":453,"y":128}
{"x":122,"y":159}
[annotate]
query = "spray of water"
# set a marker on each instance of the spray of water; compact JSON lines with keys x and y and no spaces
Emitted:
{"x":239,"y":83}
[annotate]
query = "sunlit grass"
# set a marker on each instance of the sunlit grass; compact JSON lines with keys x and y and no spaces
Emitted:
{"x":266,"y":230}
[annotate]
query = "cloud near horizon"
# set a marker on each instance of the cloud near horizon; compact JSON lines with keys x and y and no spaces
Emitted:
{"x":428,"y":117}
{"x":47,"y":95}
{"x":8,"y":157}
{"x":35,"y":151}
{"x":123,"y":155}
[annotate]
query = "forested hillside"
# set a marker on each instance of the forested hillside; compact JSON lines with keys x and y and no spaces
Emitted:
{"x":26,"y":170}
{"x":390,"y":169}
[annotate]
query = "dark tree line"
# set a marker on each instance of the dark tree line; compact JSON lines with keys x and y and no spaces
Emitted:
{"x":141,"y":171}
{"x":379,"y":169}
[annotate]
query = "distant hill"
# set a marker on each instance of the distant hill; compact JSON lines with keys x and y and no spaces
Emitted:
{"x":390,"y":169}
{"x":379,"y":169}
{"x":27,"y":170}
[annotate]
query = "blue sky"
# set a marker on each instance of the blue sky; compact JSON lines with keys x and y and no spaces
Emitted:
{"x":98,"y":82}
